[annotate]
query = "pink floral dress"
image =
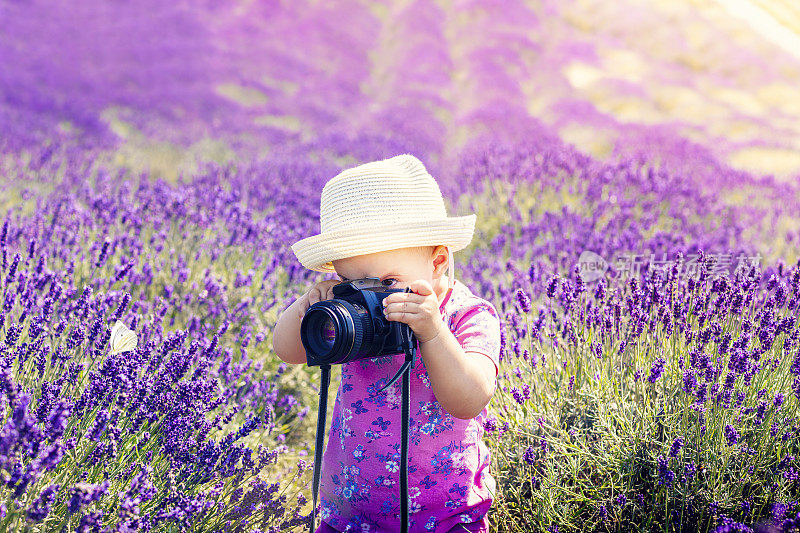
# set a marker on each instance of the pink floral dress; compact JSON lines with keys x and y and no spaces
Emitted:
{"x":449,"y":480}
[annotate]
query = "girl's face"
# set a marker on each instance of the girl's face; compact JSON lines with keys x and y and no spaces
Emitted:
{"x":396,"y":268}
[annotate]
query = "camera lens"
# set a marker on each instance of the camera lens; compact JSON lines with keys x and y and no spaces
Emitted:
{"x":328,"y":332}
{"x":320,"y":331}
{"x":334,"y":331}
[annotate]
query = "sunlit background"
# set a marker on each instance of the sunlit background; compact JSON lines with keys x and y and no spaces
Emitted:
{"x":161,"y":83}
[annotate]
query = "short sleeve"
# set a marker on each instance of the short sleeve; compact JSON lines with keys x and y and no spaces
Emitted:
{"x":477,"y":329}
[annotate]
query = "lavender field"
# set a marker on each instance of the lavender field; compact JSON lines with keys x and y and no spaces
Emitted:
{"x":635,"y":171}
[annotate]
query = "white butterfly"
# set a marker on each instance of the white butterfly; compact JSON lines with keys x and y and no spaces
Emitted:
{"x":123,"y":339}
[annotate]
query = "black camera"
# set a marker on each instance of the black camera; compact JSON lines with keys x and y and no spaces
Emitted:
{"x":351,"y":325}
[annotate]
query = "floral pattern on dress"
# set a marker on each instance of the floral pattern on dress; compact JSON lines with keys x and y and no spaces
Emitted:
{"x":449,"y":478}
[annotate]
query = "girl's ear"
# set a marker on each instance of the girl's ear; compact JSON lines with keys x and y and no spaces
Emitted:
{"x":440,"y":261}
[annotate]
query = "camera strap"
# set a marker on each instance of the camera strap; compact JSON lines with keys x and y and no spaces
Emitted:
{"x":320,"y":438}
{"x":410,"y":362}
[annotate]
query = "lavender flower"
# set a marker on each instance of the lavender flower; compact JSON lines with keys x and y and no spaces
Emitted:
{"x":677,"y":444}
{"x":76,"y":337}
{"x":83,"y":494}
{"x":778,"y":400}
{"x":689,"y":470}
{"x":101,"y":259}
{"x":40,"y":507}
{"x":551,"y":286}
{"x":666,"y":476}
{"x":731,"y":435}
{"x":518,"y":397}
{"x":12,"y":270}
{"x":529,"y":455}
{"x":600,"y":290}
{"x":689,"y":382}
{"x":524,"y":301}
{"x":656,"y":370}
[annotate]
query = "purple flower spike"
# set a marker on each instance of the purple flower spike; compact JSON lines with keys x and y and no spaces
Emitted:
{"x":665,"y":474}
{"x":529,"y":456}
{"x":677,"y":444}
{"x":101,"y":259}
{"x":84,"y":494}
{"x":552,"y":286}
{"x":40,"y":507}
{"x":524,"y":301}
{"x":731,"y":435}
{"x":656,"y":370}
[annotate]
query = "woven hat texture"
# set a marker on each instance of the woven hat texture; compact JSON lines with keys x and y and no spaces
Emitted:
{"x":382,"y":205}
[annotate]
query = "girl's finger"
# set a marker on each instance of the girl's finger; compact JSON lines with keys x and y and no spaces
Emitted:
{"x":403,"y":307}
{"x":395,"y":307}
{"x":409,"y":306}
{"x":404,"y":296}
{"x":401,"y":315}
{"x":421,"y":286}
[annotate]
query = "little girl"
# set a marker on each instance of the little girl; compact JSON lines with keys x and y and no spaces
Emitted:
{"x":387,"y":219}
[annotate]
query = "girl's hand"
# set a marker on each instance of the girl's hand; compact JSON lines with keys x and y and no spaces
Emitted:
{"x":419,"y":309}
{"x":322,"y":290}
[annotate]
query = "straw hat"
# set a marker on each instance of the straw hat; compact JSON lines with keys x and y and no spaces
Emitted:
{"x":378,"y":206}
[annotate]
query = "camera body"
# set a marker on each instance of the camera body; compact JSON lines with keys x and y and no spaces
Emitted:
{"x":351,"y":325}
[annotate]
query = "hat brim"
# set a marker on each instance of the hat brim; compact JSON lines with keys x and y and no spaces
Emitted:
{"x":318,"y":252}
